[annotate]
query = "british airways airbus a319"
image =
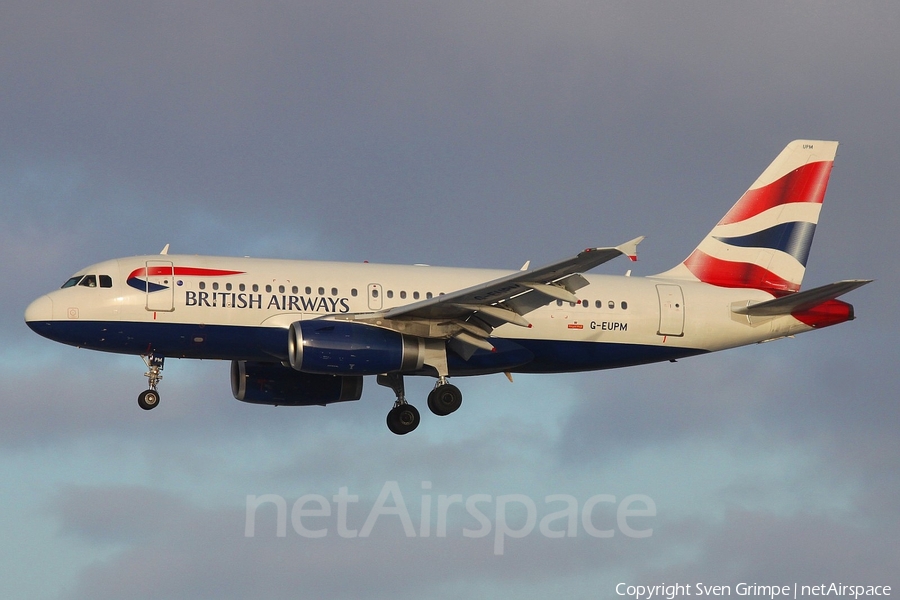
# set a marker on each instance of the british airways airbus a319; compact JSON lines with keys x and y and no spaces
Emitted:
{"x":303,"y":333}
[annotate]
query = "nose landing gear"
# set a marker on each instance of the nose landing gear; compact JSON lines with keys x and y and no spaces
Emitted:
{"x":149,"y":399}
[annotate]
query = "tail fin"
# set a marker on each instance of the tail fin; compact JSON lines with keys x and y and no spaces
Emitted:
{"x":764,"y":240}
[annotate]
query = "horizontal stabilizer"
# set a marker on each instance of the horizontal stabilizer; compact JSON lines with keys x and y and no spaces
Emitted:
{"x":800,"y":301}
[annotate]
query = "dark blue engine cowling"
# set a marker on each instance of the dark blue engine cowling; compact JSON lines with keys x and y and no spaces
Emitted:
{"x":272,"y":383}
{"x":344,"y":348}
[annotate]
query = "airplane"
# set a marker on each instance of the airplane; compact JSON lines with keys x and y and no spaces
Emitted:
{"x":302,"y":333}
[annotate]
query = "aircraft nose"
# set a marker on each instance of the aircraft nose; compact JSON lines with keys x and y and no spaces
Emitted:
{"x":39,"y":310}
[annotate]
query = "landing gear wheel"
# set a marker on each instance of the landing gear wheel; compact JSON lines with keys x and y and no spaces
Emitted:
{"x":444,"y":399}
{"x":148,"y":399}
{"x":402,"y":419}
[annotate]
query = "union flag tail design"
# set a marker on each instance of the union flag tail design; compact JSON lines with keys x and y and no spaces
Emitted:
{"x":763,"y":242}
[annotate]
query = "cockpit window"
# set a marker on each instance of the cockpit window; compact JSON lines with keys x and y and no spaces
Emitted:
{"x":88,"y":281}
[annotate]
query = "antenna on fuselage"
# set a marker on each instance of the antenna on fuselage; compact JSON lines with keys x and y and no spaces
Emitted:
{"x":165,"y":250}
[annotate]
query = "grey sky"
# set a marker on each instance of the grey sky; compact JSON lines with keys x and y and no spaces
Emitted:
{"x":471,"y":134}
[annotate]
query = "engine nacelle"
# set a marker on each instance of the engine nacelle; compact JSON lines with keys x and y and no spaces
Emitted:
{"x":344,"y":348}
{"x":272,"y":383}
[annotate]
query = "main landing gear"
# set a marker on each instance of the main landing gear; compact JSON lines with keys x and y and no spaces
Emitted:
{"x":150,"y":398}
{"x":444,"y":399}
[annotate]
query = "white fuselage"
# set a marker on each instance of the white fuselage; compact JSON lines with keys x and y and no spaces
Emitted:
{"x":243,"y":314}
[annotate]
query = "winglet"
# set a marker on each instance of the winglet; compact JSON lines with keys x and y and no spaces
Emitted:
{"x":629,"y":248}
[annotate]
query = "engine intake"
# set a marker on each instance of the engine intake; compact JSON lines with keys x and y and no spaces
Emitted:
{"x":271,"y":383}
{"x":343,"y":348}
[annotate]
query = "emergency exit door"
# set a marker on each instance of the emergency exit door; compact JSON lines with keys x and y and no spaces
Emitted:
{"x":374,"y":292}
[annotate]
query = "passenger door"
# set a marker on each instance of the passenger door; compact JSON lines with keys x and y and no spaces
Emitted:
{"x":671,"y":310}
{"x":160,"y":286}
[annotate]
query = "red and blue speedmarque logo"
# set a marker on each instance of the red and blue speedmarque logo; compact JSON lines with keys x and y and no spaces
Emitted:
{"x":135,"y":278}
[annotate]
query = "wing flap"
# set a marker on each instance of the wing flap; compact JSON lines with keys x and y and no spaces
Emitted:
{"x":554,"y":292}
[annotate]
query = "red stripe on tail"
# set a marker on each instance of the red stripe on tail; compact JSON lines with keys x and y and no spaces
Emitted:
{"x":724,"y":273}
{"x":806,"y":184}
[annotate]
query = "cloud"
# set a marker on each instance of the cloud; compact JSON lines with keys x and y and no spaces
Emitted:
{"x":472,"y":134}
{"x":204,"y":552}
{"x":759,"y":547}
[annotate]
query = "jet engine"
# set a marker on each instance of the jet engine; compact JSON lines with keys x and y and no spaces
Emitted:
{"x":344,"y":348}
{"x":272,"y":383}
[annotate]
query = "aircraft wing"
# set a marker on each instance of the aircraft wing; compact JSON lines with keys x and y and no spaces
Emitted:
{"x":506,"y":299}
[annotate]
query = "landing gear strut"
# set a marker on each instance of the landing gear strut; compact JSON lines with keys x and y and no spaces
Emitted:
{"x":403,"y":417}
{"x":150,"y":398}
